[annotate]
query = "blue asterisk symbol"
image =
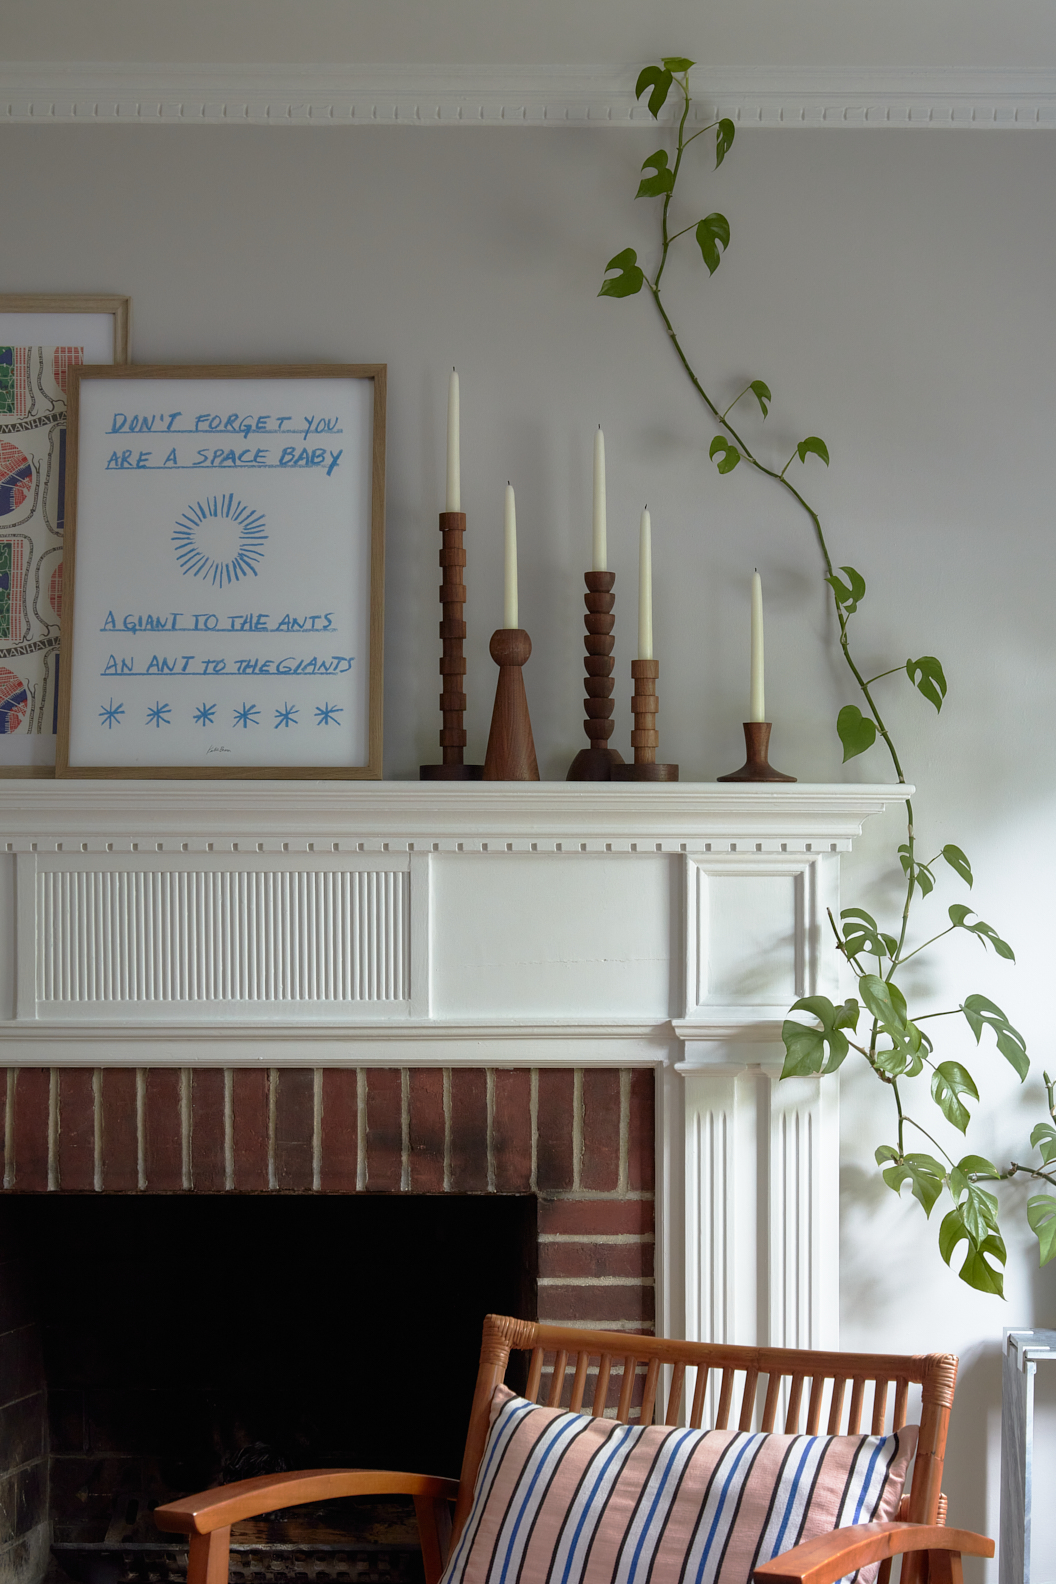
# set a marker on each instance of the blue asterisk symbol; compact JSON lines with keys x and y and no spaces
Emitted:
{"x":111,"y":713}
{"x":248,"y":715}
{"x":204,"y":714}
{"x":158,"y":715}
{"x":287,"y":716}
{"x":327,"y":714}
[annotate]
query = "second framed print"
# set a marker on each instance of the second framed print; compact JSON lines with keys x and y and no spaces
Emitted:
{"x":225,"y":572}
{"x":41,"y":339}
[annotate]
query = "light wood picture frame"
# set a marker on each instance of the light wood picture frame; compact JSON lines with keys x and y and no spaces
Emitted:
{"x":225,"y":555}
{"x":41,"y":336}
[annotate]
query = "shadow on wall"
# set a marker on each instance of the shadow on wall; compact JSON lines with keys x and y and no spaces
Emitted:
{"x":973,"y":1449}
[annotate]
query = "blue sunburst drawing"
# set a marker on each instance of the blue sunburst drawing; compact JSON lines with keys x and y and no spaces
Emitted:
{"x":111,"y":714}
{"x":158,"y":715}
{"x":286,"y":716}
{"x":220,"y":540}
{"x":248,"y":715}
{"x":326,"y":714}
{"x":205,"y":714}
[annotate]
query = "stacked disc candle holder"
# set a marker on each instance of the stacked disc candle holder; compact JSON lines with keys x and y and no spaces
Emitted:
{"x":596,"y":762}
{"x":511,"y":746}
{"x":453,"y":660}
{"x":757,"y":766}
{"x":645,"y":739}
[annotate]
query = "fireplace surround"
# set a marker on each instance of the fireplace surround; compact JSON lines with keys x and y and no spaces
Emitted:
{"x":572,"y":992}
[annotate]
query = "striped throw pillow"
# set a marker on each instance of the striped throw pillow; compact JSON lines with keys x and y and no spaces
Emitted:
{"x":562,"y":1498}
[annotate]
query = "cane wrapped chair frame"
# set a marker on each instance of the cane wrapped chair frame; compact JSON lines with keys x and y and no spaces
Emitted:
{"x":659,"y":1381}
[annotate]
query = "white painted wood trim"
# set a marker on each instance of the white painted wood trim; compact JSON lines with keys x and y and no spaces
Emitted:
{"x":410,"y":816}
{"x":237,"y":94}
{"x":761,"y":1173}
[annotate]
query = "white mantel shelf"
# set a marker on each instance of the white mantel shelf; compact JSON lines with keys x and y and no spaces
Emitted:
{"x":297,"y":816}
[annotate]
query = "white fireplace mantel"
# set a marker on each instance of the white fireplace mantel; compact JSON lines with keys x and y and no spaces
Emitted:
{"x":147,"y":923}
{"x":278,"y":923}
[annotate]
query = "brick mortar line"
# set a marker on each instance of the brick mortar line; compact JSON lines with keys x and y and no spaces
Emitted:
{"x":9,"y":1127}
{"x":273,"y":1107}
{"x":141,"y":1129}
{"x":624,"y":1177}
{"x":594,"y":1196}
{"x":489,"y":1128}
{"x":317,"y":1129}
{"x":405,"y":1129}
{"x":595,"y":1281}
{"x":229,"y":1130}
{"x":97,"y":1127}
{"x":577,"y":1128}
{"x":186,"y":1104}
{"x":361,"y":1129}
{"x":636,"y":1239}
{"x":53,"y":1131}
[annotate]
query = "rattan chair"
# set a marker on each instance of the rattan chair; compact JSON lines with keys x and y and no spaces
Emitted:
{"x":837,"y":1388}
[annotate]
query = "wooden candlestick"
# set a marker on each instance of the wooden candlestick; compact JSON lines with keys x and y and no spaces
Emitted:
{"x":756,"y":767}
{"x":452,"y":661}
{"x":645,"y":738}
{"x":595,"y":763}
{"x":511,"y":747}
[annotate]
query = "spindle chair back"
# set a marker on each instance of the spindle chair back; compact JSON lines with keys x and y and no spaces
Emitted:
{"x":651,"y":1380}
{"x":750,"y":1388}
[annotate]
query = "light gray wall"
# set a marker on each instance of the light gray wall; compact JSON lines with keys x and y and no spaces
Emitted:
{"x":893,"y":288}
{"x":984,"y":33}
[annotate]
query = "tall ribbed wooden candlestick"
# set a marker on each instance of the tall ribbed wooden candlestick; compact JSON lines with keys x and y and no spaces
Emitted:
{"x":453,"y":660}
{"x":645,"y":739}
{"x":595,"y":763}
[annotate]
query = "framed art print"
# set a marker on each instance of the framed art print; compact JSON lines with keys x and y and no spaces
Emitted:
{"x":41,"y":339}
{"x":223,"y":612}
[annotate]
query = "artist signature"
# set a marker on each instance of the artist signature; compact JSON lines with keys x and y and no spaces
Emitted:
{"x":218,"y":750}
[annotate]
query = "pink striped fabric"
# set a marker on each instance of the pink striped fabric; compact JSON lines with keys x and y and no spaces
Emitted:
{"x":563,"y":1498}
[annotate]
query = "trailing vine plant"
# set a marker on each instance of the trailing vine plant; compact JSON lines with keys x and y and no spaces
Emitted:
{"x":876,"y":1023}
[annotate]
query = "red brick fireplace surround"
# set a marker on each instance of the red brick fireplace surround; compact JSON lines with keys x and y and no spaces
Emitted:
{"x":580,"y":1139}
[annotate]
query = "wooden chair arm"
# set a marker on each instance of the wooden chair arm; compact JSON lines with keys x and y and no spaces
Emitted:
{"x":831,"y":1556}
{"x":229,"y":1504}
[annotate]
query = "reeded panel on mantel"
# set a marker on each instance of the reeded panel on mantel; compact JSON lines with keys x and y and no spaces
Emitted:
{"x":228,"y":935}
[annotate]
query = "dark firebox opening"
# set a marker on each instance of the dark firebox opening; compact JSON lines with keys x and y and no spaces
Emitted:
{"x":187,"y":1341}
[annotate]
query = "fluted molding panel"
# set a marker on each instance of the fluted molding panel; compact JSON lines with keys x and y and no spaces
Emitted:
{"x":118,"y":936}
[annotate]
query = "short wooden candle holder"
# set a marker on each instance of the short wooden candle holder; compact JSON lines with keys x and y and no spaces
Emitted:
{"x":595,"y":763}
{"x":645,"y":739}
{"x":757,"y":766}
{"x":452,"y":661}
{"x":511,"y":747}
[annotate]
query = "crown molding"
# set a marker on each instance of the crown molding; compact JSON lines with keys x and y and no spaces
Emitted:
{"x":151,"y":93}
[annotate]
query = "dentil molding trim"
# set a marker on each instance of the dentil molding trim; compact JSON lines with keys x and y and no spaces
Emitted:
{"x":150,"y":93}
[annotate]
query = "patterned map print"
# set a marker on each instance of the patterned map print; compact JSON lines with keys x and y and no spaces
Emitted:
{"x":11,"y":590}
{"x":13,"y":701}
{"x":33,"y":389}
{"x":16,"y":477}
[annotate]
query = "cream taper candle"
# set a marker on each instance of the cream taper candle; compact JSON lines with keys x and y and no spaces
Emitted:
{"x":454,"y":470}
{"x":756,"y":698}
{"x":645,"y":587}
{"x":509,"y":618}
{"x":600,"y":561}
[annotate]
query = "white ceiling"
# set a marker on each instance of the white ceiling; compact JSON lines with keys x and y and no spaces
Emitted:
{"x":984,"y":34}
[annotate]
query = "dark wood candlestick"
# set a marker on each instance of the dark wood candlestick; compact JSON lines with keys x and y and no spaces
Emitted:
{"x":757,"y":767}
{"x":511,"y":747}
{"x":452,"y":661}
{"x":595,"y":763}
{"x":645,"y":739}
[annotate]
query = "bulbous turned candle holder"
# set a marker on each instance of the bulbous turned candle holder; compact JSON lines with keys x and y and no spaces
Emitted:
{"x":645,"y":739}
{"x":757,"y":766}
{"x":452,"y":661}
{"x":596,"y":762}
{"x":511,"y":747}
